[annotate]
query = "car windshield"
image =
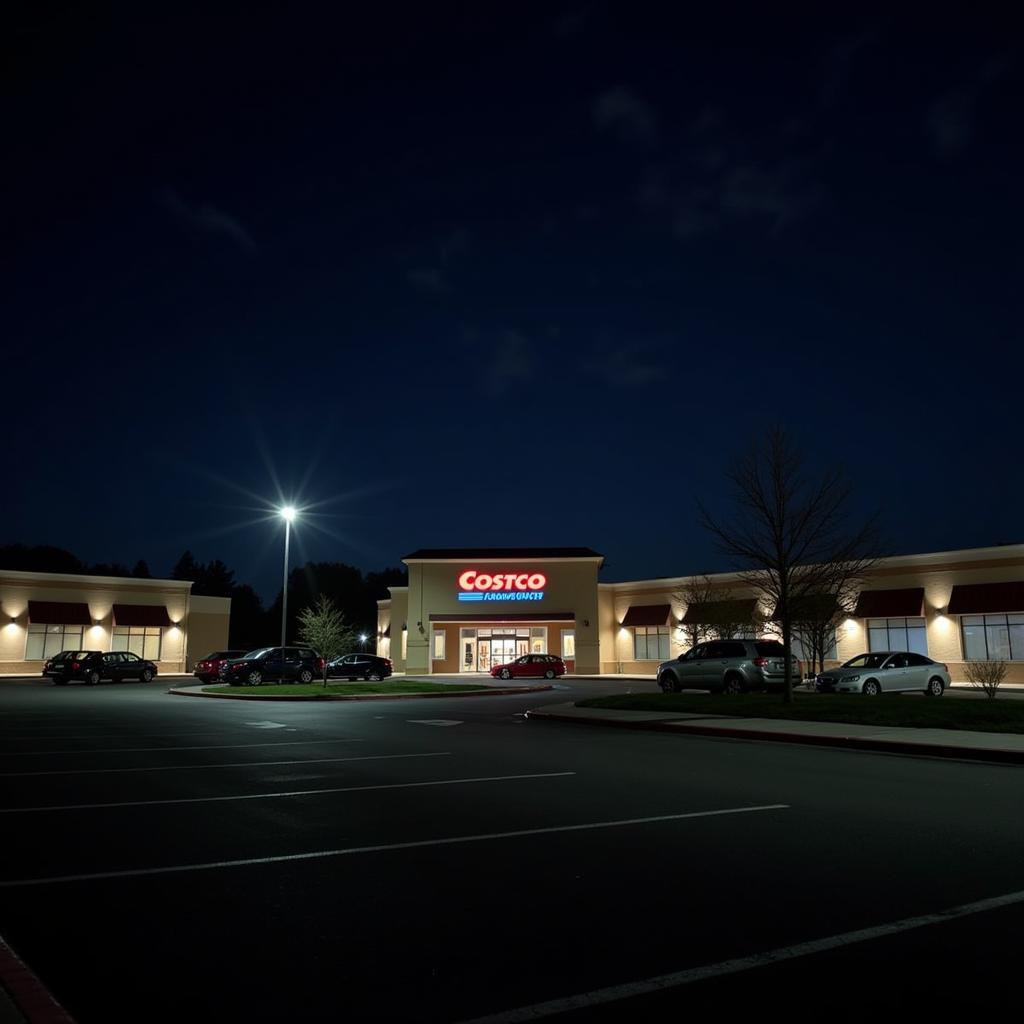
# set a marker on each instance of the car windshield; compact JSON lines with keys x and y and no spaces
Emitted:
{"x":867,"y":661}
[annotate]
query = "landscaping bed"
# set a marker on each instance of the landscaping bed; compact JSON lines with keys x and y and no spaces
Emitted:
{"x":899,"y":710}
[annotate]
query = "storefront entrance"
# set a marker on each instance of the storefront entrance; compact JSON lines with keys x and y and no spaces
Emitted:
{"x":483,"y":648}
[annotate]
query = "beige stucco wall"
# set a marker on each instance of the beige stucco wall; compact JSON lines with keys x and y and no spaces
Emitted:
{"x":392,"y":613}
{"x":209,"y":621}
{"x":101,"y":593}
{"x":571,"y":589}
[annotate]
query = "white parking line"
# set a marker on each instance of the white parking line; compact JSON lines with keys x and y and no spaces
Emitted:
{"x":236,"y":764}
{"x":383,"y":848}
{"x":150,"y":750}
{"x":279,"y":795}
{"x":662,"y":982}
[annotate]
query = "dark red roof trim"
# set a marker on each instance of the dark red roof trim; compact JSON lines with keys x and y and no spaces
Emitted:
{"x":881,"y":604}
{"x":740,"y":610}
{"x":647,"y":615}
{"x":59,"y":613}
{"x":141,"y":615}
{"x":979,"y":598}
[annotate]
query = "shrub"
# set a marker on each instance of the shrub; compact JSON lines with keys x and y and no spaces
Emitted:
{"x":986,"y":676}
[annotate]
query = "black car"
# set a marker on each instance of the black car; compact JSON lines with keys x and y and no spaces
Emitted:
{"x":359,"y":666}
{"x":265,"y":664}
{"x":92,"y":666}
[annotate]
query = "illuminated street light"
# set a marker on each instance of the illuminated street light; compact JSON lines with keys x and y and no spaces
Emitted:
{"x":288,"y":514}
{"x":362,"y":640}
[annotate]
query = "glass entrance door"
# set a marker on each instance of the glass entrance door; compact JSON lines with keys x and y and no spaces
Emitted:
{"x":503,"y":649}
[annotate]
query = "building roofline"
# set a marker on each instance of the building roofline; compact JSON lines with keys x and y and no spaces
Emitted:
{"x":66,"y":577}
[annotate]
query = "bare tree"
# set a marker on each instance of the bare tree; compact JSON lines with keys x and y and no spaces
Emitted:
{"x":715,"y":612}
{"x":788,"y":534}
{"x":986,"y":676}
{"x":818,"y":618}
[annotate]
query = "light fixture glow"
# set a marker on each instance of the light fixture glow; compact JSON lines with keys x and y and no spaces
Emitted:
{"x":288,"y":513}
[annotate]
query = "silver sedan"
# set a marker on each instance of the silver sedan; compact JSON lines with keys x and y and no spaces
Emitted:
{"x":886,"y":672}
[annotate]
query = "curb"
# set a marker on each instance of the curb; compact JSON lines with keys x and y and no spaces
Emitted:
{"x":846,"y":742}
{"x":508,"y":692}
{"x":26,"y":994}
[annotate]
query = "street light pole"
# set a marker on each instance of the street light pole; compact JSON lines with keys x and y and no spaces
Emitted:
{"x":287,"y":514}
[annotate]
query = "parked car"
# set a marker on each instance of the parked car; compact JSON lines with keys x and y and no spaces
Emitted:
{"x":209,"y":668}
{"x":92,"y":666}
{"x":550,"y":666}
{"x":729,"y":666}
{"x":885,"y":672}
{"x":359,"y":666}
{"x":266,"y":664}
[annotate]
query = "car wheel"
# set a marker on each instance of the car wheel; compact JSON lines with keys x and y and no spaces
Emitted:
{"x":255,"y":677}
{"x":305,"y":676}
{"x":733,"y":684}
{"x":92,"y":678}
{"x":550,"y":674}
{"x":668,"y":683}
{"x":871,"y":688}
{"x":506,"y":674}
{"x":373,"y":677}
{"x":146,"y":676}
{"x":935,"y":687}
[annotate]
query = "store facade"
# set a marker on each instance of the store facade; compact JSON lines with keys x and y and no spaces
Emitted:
{"x":465,"y":610}
{"x":161,"y":620}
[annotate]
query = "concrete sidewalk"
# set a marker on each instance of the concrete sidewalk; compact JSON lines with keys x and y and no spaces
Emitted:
{"x":996,"y":747}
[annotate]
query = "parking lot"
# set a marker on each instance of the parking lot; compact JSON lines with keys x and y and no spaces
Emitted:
{"x":170,"y":859}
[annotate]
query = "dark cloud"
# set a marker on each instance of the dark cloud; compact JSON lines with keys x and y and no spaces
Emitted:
{"x":207,"y":219}
{"x":624,"y":114}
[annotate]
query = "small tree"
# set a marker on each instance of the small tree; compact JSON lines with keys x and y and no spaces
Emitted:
{"x":986,"y":676}
{"x":324,"y":628}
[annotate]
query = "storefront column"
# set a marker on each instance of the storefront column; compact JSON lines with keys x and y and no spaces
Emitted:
{"x":588,"y":647}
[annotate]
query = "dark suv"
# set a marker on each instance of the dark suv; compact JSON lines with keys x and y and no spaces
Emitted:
{"x":729,"y":666}
{"x":92,"y":666}
{"x":359,"y":666}
{"x":266,"y":664}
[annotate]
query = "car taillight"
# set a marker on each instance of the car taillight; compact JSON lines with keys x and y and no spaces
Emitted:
{"x":761,"y":662}
{"x":75,"y":666}
{"x":320,"y":664}
{"x":387,"y":661}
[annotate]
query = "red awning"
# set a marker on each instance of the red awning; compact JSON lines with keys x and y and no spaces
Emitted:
{"x":59,"y":613}
{"x":882,"y":604}
{"x":810,"y":608}
{"x":647,"y":615}
{"x":979,"y":598}
{"x":710,"y":613}
{"x":141,"y":615}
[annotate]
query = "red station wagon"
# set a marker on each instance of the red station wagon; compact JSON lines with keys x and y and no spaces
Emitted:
{"x":550,"y":666}
{"x":209,"y":668}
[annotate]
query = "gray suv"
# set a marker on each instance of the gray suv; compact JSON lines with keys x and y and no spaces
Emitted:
{"x":729,"y":666}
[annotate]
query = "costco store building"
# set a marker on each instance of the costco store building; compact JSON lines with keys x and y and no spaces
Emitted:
{"x":466,"y":609}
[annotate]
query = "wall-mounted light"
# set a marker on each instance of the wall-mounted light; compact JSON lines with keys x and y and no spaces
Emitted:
{"x":586,"y":623}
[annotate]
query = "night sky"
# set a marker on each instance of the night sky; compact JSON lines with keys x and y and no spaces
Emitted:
{"x":503,"y":274}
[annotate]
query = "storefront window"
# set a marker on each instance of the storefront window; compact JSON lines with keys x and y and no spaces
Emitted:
{"x":45,"y":640}
{"x":539,"y":640}
{"x":568,"y":644}
{"x":650,"y":643}
{"x":141,"y":640}
{"x":437,"y":650}
{"x":993,"y":637}
{"x":897,"y":635}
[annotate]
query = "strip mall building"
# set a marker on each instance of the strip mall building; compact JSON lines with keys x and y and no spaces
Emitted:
{"x":467,"y":609}
{"x":161,"y":620}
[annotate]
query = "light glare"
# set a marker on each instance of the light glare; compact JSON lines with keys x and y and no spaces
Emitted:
{"x":288,"y":513}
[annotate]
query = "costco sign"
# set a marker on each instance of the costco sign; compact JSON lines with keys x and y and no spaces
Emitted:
{"x":501,"y":586}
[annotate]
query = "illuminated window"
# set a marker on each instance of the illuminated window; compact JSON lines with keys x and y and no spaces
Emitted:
{"x":141,"y":640}
{"x":993,"y":637}
{"x":437,"y":653}
{"x":650,"y":643}
{"x":897,"y":635}
{"x":539,"y":640}
{"x":569,"y":644}
{"x":44,"y":640}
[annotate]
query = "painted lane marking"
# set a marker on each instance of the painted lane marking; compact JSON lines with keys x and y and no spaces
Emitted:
{"x":266,"y":725}
{"x":676,"y":979}
{"x":279,"y":795}
{"x":150,"y":750}
{"x":433,"y":721}
{"x":237,"y":764}
{"x":383,"y":848}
